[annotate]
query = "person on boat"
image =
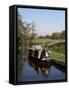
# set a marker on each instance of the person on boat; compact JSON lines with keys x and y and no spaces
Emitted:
{"x":43,"y":53}
{"x":40,"y":51}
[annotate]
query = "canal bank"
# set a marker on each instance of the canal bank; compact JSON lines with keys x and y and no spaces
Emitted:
{"x":62,"y":64}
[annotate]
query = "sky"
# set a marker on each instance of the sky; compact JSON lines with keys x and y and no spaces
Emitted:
{"x":46,"y":21}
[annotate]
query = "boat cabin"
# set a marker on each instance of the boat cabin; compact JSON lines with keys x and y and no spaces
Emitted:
{"x":38,"y":54}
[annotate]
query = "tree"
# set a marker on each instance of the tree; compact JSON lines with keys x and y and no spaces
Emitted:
{"x":41,"y":37}
{"x":63,"y":35}
{"x":56,"y":35}
{"x":26,"y":34}
{"x":47,"y":36}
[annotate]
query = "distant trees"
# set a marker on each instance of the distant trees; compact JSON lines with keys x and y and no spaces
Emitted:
{"x":58,"y":35}
{"x":41,"y":37}
{"x":55,"y":35}
{"x":63,"y":35}
{"x":47,"y":36}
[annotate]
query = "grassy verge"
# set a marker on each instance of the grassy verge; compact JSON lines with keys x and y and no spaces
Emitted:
{"x":45,"y":41}
{"x":57,"y":51}
{"x":57,"y":56}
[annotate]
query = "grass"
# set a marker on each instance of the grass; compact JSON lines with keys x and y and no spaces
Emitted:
{"x":40,"y":41}
{"x":57,"y":56}
{"x":59,"y":49}
{"x":56,"y":53}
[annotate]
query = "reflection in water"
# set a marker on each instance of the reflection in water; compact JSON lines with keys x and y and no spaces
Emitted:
{"x":40,"y":69}
{"x":36,"y":70}
{"x":31,"y":70}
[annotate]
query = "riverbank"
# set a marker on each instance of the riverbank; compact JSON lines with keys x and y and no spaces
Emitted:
{"x":62,"y":64}
{"x":57,"y":58}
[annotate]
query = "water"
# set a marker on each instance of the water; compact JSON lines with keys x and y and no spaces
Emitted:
{"x":32,"y":72}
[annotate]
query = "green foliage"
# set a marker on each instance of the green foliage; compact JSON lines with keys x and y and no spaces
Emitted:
{"x":63,"y":35}
{"x":58,"y":35}
{"x":59,"y":48}
{"x":57,"y":56}
{"x":25,"y":36}
{"x":39,"y":41}
{"x":41,"y":37}
{"x":54,"y":35}
{"x":47,"y":36}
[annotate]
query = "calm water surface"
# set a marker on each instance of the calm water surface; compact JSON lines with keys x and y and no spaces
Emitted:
{"x":32,"y":72}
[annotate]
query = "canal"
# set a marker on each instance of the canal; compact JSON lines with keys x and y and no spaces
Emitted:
{"x":32,"y":71}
